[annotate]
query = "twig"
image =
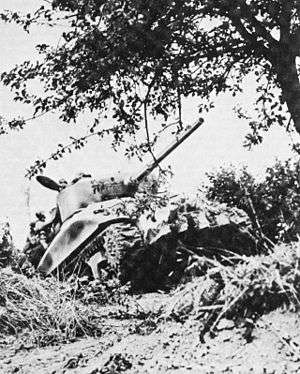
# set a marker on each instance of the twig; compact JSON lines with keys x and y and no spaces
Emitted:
{"x":179,"y":108}
{"x":148,"y":135}
{"x":226,"y":309}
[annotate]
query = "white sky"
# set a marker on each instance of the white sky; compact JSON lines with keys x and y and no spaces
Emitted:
{"x":218,"y":142}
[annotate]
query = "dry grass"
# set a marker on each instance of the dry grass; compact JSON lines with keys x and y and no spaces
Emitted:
{"x":252,"y":287}
{"x":46,"y":310}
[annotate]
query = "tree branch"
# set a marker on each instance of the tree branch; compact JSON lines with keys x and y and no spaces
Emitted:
{"x":179,"y":108}
{"x":256,"y":24}
{"x":295,"y":41}
{"x":251,"y":38}
{"x":148,"y":135}
{"x":285,"y":21}
{"x":41,"y":164}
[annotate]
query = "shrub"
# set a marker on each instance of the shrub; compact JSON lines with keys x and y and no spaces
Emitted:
{"x":6,"y":245}
{"x":273,"y":204}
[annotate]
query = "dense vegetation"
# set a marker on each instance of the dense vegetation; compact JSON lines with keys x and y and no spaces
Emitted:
{"x":273,"y":203}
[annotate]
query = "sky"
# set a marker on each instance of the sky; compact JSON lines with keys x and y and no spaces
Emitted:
{"x":219,"y":142}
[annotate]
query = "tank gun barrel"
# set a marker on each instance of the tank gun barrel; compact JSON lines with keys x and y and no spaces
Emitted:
{"x":145,"y":172}
{"x":111,"y":189}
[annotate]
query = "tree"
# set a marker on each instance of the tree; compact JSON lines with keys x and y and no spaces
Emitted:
{"x":142,"y":58}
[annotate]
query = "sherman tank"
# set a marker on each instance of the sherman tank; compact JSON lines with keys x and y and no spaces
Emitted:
{"x":92,"y":232}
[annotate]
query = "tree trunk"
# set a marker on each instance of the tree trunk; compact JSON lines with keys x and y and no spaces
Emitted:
{"x":289,"y":81}
{"x":290,"y":86}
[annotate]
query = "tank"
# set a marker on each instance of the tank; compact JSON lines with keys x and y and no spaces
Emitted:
{"x":92,"y":232}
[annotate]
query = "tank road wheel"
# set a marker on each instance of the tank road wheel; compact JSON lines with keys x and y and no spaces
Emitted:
{"x":114,"y":250}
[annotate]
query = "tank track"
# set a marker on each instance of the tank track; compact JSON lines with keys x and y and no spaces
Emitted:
{"x":77,"y":264}
{"x":117,"y":243}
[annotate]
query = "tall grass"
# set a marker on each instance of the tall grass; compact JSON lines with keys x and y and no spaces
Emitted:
{"x":46,"y":310}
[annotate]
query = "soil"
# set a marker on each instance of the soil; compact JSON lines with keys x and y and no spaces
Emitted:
{"x":143,"y":346}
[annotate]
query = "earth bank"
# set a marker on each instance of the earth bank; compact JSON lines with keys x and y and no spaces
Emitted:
{"x":135,"y":346}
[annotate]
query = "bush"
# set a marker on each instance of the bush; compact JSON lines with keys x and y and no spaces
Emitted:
{"x":272,"y":204}
{"x":6,"y":245}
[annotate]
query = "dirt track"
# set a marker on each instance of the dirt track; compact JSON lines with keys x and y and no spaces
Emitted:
{"x":136,"y":346}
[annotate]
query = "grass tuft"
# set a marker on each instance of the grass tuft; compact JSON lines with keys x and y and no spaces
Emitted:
{"x":45,"y":309}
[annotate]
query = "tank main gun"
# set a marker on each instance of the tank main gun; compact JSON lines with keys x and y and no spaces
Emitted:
{"x":106,"y":189}
{"x":145,"y":172}
{"x":116,"y":189}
